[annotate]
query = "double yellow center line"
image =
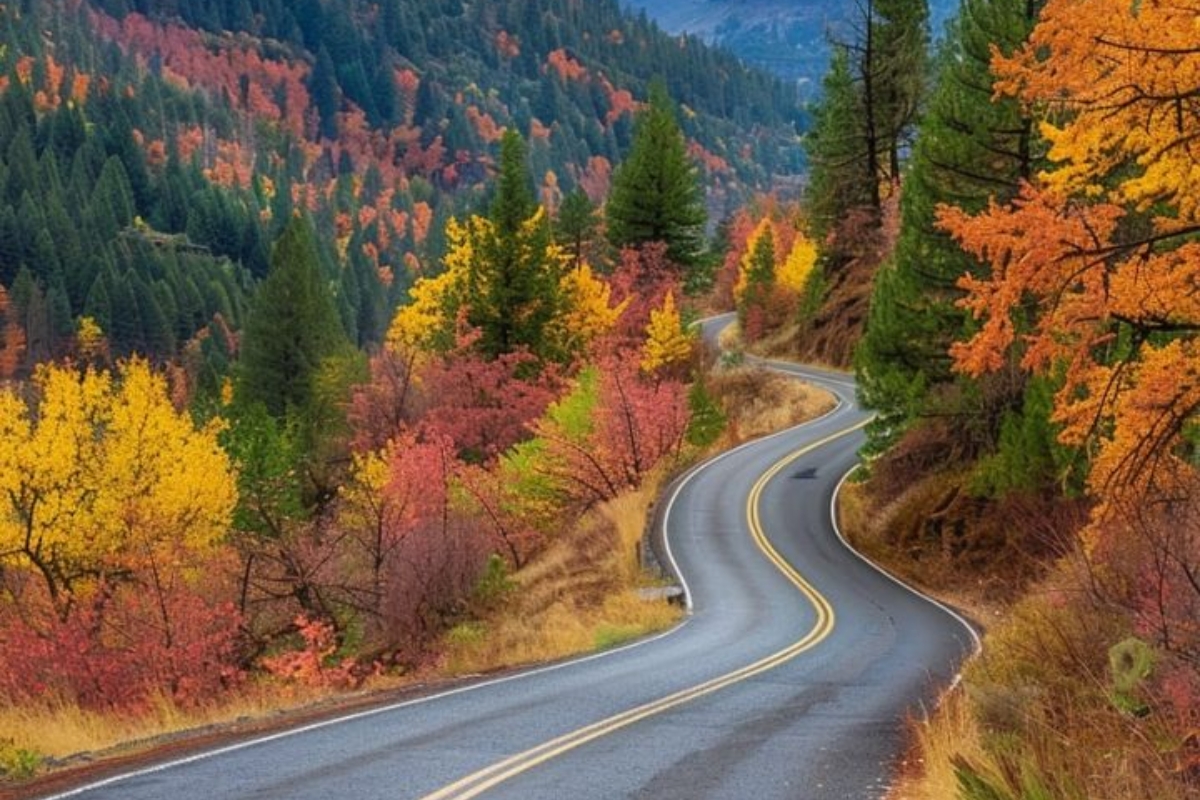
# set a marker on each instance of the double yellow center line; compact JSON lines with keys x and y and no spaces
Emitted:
{"x":479,"y":782}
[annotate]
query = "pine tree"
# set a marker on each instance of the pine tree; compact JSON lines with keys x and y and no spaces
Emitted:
{"x":759,"y":279}
{"x":656,"y":195}
{"x":839,"y":174}
{"x":900,"y":65}
{"x":872,"y":93}
{"x":513,"y":282}
{"x":970,"y":148}
{"x":292,"y":329}
{"x":325,"y":93}
{"x":576,"y":226}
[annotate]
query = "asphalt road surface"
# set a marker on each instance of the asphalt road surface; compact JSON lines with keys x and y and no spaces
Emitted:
{"x":790,"y":678}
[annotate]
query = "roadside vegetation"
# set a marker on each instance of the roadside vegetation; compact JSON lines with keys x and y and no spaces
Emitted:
{"x":306,"y":524}
{"x":1029,"y":351}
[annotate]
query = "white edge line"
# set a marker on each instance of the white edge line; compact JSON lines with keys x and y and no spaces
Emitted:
{"x":696,"y":470}
{"x":327,"y":723}
{"x":837,"y":529}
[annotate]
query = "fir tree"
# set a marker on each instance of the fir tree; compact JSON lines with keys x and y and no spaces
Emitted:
{"x":513,"y":283}
{"x":656,"y":195}
{"x":970,"y":148}
{"x":872,"y":93}
{"x":292,"y":329}
{"x":324,"y":89}
{"x":839,"y":178}
{"x":760,"y":277}
{"x":576,"y":226}
{"x":900,"y":60}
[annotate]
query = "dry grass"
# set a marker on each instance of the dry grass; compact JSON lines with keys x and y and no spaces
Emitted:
{"x":58,"y":731}
{"x":1036,"y":717}
{"x":928,"y":772}
{"x":758,"y":402}
{"x":580,"y":596}
{"x":1035,"y":714}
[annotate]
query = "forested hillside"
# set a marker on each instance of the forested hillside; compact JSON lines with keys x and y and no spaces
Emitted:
{"x":322,"y":324}
{"x":138,"y":137}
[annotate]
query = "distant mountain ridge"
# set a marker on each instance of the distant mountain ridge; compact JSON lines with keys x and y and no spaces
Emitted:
{"x":789,"y":38}
{"x":151,"y":150}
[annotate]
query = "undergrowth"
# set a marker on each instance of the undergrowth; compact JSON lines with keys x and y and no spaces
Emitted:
{"x":585,"y":592}
{"x":1065,"y":702}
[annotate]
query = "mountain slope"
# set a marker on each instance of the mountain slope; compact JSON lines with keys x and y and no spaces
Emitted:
{"x":381,"y":120}
{"x":787,"y":37}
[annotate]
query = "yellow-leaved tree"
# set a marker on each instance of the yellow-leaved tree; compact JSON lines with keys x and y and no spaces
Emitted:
{"x":100,"y":476}
{"x":668,"y":344}
{"x":793,"y":274}
{"x":427,"y":323}
{"x":588,"y":311}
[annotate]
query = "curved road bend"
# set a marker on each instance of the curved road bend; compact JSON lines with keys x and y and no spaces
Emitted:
{"x":789,"y":679}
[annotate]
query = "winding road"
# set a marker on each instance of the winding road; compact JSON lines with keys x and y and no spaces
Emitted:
{"x":790,"y":677}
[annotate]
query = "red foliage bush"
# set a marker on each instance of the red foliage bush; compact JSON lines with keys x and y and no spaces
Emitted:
{"x":310,"y":665}
{"x":486,"y":406}
{"x":120,"y":648}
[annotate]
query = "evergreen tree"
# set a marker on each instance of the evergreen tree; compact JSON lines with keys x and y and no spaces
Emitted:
{"x":839,"y":177}
{"x":322,"y":83}
{"x":513,"y":281}
{"x":760,"y":275}
{"x":576,"y":226}
{"x":656,"y":195}
{"x":900,"y":65}
{"x":873,"y":90}
{"x":292,"y":328}
{"x":970,"y":148}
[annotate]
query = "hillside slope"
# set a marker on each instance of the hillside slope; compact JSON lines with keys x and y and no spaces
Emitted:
{"x":788,"y":38}
{"x":201,"y":126}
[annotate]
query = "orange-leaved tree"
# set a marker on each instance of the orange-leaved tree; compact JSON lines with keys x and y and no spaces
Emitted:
{"x":1095,"y":266}
{"x":1095,"y":281}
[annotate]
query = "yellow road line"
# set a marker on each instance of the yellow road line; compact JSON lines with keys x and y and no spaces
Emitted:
{"x":479,"y":782}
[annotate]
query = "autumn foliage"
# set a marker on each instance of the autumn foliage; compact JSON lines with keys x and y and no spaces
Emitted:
{"x":112,"y":500}
{"x":768,"y":267}
{"x":1091,"y":284}
{"x":1103,"y":240}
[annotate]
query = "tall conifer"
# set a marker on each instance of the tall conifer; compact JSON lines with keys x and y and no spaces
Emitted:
{"x":292,"y":328}
{"x":656,"y":195}
{"x":515,"y":269}
{"x":970,"y":148}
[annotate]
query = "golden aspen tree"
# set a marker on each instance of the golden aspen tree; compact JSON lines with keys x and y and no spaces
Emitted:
{"x":588,"y":309}
{"x":793,"y":274}
{"x":100,"y":473}
{"x":668,"y":343}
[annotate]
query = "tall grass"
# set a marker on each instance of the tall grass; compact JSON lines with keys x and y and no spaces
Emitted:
{"x":1037,"y":716}
{"x":580,"y":596}
{"x":58,"y":730}
{"x":928,"y":771}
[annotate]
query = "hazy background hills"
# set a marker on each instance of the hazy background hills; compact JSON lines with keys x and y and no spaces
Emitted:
{"x":787,"y":37}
